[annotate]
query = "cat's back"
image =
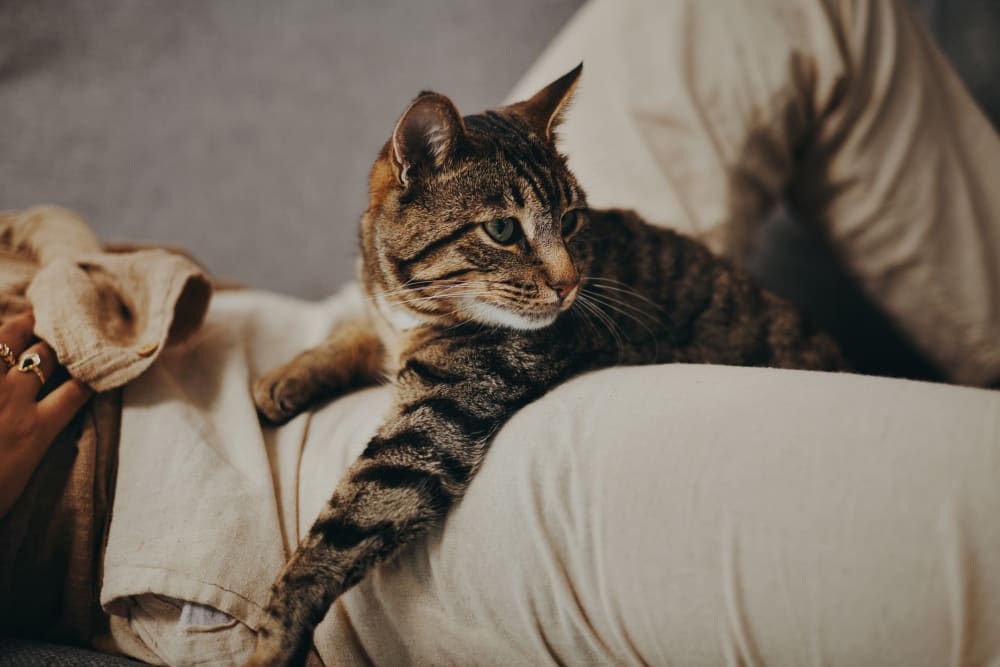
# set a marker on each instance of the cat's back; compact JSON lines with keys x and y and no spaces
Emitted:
{"x":711,"y":311}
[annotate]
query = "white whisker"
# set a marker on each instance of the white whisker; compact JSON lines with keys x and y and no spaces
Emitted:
{"x":634,"y":310}
{"x":624,"y":313}
{"x":604,"y":319}
{"x":597,"y":281}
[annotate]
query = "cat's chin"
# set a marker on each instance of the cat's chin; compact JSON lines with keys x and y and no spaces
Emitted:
{"x":486,"y":313}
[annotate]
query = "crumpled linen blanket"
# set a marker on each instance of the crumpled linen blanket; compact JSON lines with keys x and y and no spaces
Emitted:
{"x":108,"y":316}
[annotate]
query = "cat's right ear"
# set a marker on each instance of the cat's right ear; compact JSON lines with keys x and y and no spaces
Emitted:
{"x":427,"y":135}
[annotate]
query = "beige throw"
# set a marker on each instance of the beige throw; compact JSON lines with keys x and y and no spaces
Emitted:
{"x":107,"y":316}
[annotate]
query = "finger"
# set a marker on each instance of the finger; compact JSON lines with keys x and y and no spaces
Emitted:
{"x":17,"y":334}
{"x":57,"y":409}
{"x":23,"y":322}
{"x":27,"y":384}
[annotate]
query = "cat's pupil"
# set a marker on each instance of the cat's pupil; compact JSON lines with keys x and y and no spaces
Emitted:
{"x":504,"y":230}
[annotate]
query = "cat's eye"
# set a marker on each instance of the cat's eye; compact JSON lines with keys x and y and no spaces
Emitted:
{"x":505,"y":231}
{"x":570,"y":222}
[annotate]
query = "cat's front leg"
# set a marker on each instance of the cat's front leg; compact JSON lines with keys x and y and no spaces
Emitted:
{"x":351,"y":356}
{"x":402,"y":485}
{"x":450,"y":402}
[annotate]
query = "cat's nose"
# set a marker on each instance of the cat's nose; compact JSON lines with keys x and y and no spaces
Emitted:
{"x":563,"y":288}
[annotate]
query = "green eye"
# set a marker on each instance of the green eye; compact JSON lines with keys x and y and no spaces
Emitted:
{"x":506,"y":231}
{"x":570,"y":222}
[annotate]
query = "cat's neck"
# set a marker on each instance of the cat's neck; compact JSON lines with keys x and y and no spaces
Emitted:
{"x":398,"y":319}
{"x":394,"y":323}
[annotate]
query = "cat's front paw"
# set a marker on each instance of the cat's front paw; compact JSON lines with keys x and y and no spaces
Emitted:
{"x":277,"y":648}
{"x":265,"y":657}
{"x":279,"y":396}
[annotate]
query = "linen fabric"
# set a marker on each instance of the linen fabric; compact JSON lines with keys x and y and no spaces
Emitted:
{"x":107,"y":316}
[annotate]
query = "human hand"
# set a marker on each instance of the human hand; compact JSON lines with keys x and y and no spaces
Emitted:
{"x":32,"y":412}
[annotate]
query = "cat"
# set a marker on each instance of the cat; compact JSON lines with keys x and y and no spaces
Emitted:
{"x":490,"y":281}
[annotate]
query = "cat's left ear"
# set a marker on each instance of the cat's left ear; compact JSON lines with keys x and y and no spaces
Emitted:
{"x":427,"y":136}
{"x":544,"y":110}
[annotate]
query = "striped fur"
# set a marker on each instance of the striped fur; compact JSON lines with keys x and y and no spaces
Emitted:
{"x":470,"y":330}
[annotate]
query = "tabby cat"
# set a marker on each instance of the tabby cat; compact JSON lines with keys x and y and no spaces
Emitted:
{"x":490,"y":282}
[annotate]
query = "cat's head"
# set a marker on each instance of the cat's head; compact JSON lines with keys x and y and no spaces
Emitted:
{"x":477,"y":218}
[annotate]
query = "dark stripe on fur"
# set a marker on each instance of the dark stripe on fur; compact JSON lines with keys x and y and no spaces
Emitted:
{"x":342,"y":533}
{"x":454,"y":412}
{"x":456,"y":470}
{"x":431,"y":375}
{"x":451,"y":274}
{"x":526,"y":176}
{"x":408,"y":439}
{"x":530,"y":393}
{"x":494,"y":201}
{"x":533,"y":156}
{"x":406,"y":477}
{"x":548,"y":179}
{"x":498,"y":123}
{"x":515,"y":193}
{"x":454,"y":235}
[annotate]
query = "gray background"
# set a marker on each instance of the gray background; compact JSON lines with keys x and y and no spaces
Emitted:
{"x":242,"y":130}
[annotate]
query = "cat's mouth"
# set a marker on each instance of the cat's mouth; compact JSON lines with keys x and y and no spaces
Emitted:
{"x":534,"y":314}
{"x":537,"y":316}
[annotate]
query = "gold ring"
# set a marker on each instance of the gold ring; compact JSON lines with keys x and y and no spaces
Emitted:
{"x":7,"y":355}
{"x":30,"y":362}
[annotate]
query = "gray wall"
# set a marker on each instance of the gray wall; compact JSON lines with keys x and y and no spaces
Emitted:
{"x":240,"y":129}
{"x":244,"y":129}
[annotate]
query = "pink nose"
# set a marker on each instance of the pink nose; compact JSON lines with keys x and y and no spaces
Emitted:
{"x":563,"y":288}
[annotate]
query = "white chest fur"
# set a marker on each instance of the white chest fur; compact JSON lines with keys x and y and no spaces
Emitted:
{"x":393,"y":323}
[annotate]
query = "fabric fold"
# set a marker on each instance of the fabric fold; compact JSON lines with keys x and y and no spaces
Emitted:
{"x":134,"y":304}
{"x":207,"y":501}
{"x":108,"y":316}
